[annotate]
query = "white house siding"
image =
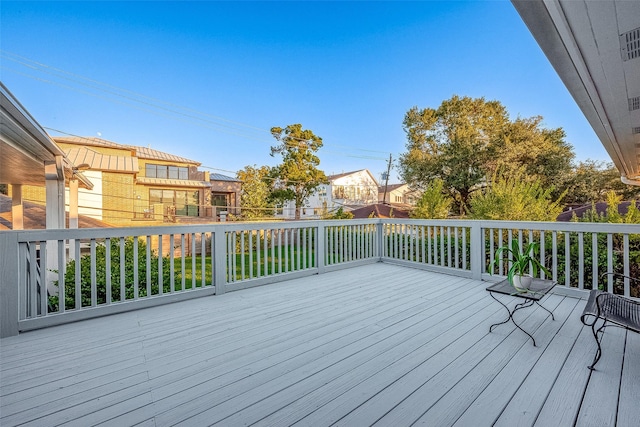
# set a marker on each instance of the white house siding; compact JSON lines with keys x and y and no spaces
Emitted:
{"x":346,"y":190}
{"x":89,"y":201}
{"x":358,"y":188}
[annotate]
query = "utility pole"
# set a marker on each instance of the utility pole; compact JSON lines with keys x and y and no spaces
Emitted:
{"x":386,"y":181}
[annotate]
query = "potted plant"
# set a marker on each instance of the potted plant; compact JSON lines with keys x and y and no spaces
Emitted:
{"x":520,"y":262}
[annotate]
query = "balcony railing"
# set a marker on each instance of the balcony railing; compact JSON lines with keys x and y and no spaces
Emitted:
{"x":51,"y":277}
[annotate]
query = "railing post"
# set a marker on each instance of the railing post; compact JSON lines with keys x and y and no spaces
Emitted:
{"x":9,"y":284}
{"x":379,"y":240}
{"x":219,"y":260}
{"x":320,"y":247}
{"x":477,"y":251}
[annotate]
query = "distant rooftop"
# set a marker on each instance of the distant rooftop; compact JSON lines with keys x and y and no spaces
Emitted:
{"x":141,"y":152}
{"x":390,"y":187}
{"x":600,"y":207}
{"x":380,"y":210}
{"x":220,"y":177}
{"x":341,"y":175}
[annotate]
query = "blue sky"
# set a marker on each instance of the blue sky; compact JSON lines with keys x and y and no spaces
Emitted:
{"x":207,"y":80}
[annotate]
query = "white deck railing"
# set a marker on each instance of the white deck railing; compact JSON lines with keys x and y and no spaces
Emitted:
{"x":50,"y":277}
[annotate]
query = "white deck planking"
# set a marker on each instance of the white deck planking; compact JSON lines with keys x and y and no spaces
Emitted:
{"x":378,"y":344}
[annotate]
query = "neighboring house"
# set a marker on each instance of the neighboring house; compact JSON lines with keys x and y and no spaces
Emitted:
{"x":133,"y":184}
{"x":601,"y":209}
{"x":380,"y":210}
{"x":354,"y":189}
{"x":348,"y":190}
{"x":225,"y":193}
{"x":399,"y":194}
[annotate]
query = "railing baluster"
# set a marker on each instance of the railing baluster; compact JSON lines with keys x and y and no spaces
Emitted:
{"x":148,"y":266}
{"x":172,"y":270}
{"x":448,"y":246}
{"x":610,"y":262}
{"x":280,"y":250}
{"x":464,"y":247}
{"x":542,"y":254}
{"x":123,"y":268}
{"x":242,"y":251}
{"x":160,"y":269}
{"x":625,"y":263}
{"x":250,"y":233}
{"x":34,"y":277}
{"x":258,"y":250}
{"x":77,"y":277}
{"x":501,"y":260}
{"x":194,"y":270}
{"x":61,"y":273}
{"x":567,"y":260}
{"x":203,"y":260}
{"x":554,"y":254}
{"x":136,"y":291}
{"x":92,"y":257}
{"x":442,"y":246}
{"x":107,"y":268}
{"x":580,"y":260}
{"x":305,"y":245}
{"x":594,"y":260}
{"x":44,"y":298}
{"x":298,"y":249}
{"x":456,"y":260}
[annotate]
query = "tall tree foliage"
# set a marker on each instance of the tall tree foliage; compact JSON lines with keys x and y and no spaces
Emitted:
{"x":513,"y":197}
{"x":298,"y":176}
{"x":254,"y":198}
{"x":433,"y":203}
{"x":465,"y":140}
{"x":591,"y":181}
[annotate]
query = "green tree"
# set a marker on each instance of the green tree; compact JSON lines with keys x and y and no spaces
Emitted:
{"x":511,"y":197}
{"x":433,"y":203}
{"x":254,"y":198}
{"x":298,"y":176}
{"x":452,"y":143}
{"x":465,"y":141}
{"x":590,"y":181}
{"x":542,"y":153}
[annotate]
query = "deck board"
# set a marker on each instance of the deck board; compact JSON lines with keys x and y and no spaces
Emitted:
{"x":377,"y":344}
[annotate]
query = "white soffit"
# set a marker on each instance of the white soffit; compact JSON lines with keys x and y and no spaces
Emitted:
{"x":594,"y":47}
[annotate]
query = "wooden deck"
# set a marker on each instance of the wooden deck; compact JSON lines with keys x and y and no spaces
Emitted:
{"x":374,"y":345}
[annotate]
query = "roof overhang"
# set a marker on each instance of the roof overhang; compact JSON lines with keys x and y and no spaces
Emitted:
{"x":587,"y":44}
{"x":25,"y":147}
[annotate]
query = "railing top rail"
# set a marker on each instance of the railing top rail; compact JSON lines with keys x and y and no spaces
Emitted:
{"x":592,"y":227}
{"x":438,"y":222}
{"x":98,"y":233}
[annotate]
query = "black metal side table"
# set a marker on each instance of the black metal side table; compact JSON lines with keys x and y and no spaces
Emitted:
{"x":538,"y":289}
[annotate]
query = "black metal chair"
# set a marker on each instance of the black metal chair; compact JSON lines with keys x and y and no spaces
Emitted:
{"x":613,"y":309}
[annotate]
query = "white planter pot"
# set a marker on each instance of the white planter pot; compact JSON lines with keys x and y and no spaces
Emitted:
{"x":522,"y":282}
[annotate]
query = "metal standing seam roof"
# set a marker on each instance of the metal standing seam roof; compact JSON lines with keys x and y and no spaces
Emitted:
{"x":141,"y":152}
{"x":103,"y":162}
{"x":220,"y":177}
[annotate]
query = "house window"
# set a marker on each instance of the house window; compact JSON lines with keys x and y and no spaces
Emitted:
{"x":165,"y":171}
{"x":221,"y":200}
{"x":176,"y":202}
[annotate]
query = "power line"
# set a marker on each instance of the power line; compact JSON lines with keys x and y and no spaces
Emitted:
{"x":196,"y":117}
